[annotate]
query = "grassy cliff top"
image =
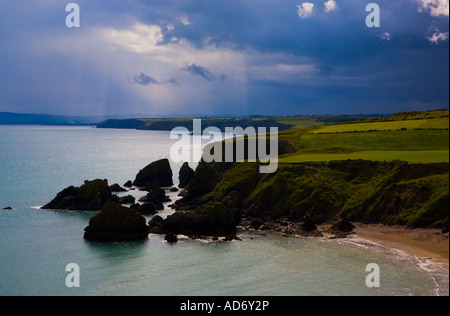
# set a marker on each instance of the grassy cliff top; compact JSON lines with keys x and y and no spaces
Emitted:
{"x":416,"y":137}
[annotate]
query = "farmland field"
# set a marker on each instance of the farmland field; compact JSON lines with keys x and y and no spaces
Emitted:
{"x":410,"y":137}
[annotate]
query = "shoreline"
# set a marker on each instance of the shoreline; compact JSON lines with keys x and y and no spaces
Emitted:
{"x":428,"y":246}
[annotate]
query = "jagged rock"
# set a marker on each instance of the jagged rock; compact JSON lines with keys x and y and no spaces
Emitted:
{"x":158,"y":206}
{"x":89,"y":197}
{"x":155,"y":225}
{"x":343,"y":226}
{"x":135,"y":206}
{"x":186,"y":174}
{"x":147,"y":209}
{"x":129,"y":184}
{"x":308,"y":224}
{"x":117,"y":188}
{"x":212,"y":219}
{"x":127,"y":200}
{"x":157,"y":195}
{"x":157,"y":173}
{"x":171,"y":238}
{"x":116,"y":223}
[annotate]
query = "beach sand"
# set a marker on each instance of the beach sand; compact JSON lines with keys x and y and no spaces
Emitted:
{"x":428,"y":245}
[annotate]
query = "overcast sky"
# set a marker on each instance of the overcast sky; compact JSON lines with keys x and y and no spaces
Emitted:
{"x":223,"y":57}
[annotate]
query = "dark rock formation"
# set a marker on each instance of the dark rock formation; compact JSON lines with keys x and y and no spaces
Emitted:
{"x":157,"y":195}
{"x":157,"y":173}
{"x":127,"y":200}
{"x":147,"y":209}
{"x":343,"y":226}
{"x":117,"y":188}
{"x":9,"y":208}
{"x":89,"y":197}
{"x":186,"y":174}
{"x":116,"y":223}
{"x":158,"y":206}
{"x":129,"y":184}
{"x":212,"y":219}
{"x":174,"y":190}
{"x":308,"y":224}
{"x":171,"y":238}
{"x":156,"y":225}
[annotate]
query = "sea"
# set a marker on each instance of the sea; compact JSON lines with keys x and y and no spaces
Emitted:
{"x":36,"y":246}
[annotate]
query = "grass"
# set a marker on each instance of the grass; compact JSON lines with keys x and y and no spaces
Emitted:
{"x":382,"y":140}
{"x":437,"y":123}
{"x":428,"y":156}
{"x":416,"y":137}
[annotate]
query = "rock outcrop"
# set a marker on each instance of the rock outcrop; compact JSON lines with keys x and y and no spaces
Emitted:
{"x":117,"y":188}
{"x":212,"y":219}
{"x":157,"y":173}
{"x":89,"y":197}
{"x":127,"y":200}
{"x":128,"y":184}
{"x":116,"y":223}
{"x":186,"y":174}
{"x":342,"y":226}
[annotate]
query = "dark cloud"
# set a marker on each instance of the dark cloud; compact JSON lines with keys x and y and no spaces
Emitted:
{"x":199,"y":71}
{"x":145,"y":80}
{"x":253,"y":53}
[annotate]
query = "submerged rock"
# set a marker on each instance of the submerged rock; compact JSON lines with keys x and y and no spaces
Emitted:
{"x":186,"y":174}
{"x":89,"y":197}
{"x":116,"y":223}
{"x":157,"y":173}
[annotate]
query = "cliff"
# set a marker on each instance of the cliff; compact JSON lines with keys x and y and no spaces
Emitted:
{"x":393,"y":193}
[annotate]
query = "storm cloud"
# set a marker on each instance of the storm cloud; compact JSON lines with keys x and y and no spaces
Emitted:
{"x":231,"y":57}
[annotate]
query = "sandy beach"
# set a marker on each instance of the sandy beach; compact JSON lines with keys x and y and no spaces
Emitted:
{"x":429,"y":246}
{"x":426,"y":244}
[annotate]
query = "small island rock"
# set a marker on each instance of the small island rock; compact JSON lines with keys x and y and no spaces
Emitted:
{"x":186,"y":174}
{"x":116,"y":223}
{"x":157,"y":173}
{"x":89,"y":197}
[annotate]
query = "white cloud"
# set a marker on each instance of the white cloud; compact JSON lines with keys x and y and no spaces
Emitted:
{"x":386,"y":36}
{"x":436,"y":8}
{"x":305,"y":9}
{"x":330,"y":6}
{"x":438,"y":37}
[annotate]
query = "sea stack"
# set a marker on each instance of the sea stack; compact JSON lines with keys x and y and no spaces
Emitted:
{"x":186,"y":175}
{"x":116,"y":223}
{"x":89,"y":197}
{"x":158,"y":173}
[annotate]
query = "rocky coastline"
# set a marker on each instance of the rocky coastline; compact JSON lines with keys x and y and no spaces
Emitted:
{"x":298,"y":200}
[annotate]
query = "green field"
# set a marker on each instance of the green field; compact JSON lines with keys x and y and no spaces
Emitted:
{"x":426,"y":156}
{"x":410,"y":137}
{"x":437,"y":123}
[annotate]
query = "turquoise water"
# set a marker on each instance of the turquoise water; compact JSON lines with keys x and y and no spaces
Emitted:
{"x":35,"y":245}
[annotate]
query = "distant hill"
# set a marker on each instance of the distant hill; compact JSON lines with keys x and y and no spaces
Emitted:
{"x":7,"y":118}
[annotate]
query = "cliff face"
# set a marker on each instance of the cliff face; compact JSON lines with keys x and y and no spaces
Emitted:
{"x":371,"y":192}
